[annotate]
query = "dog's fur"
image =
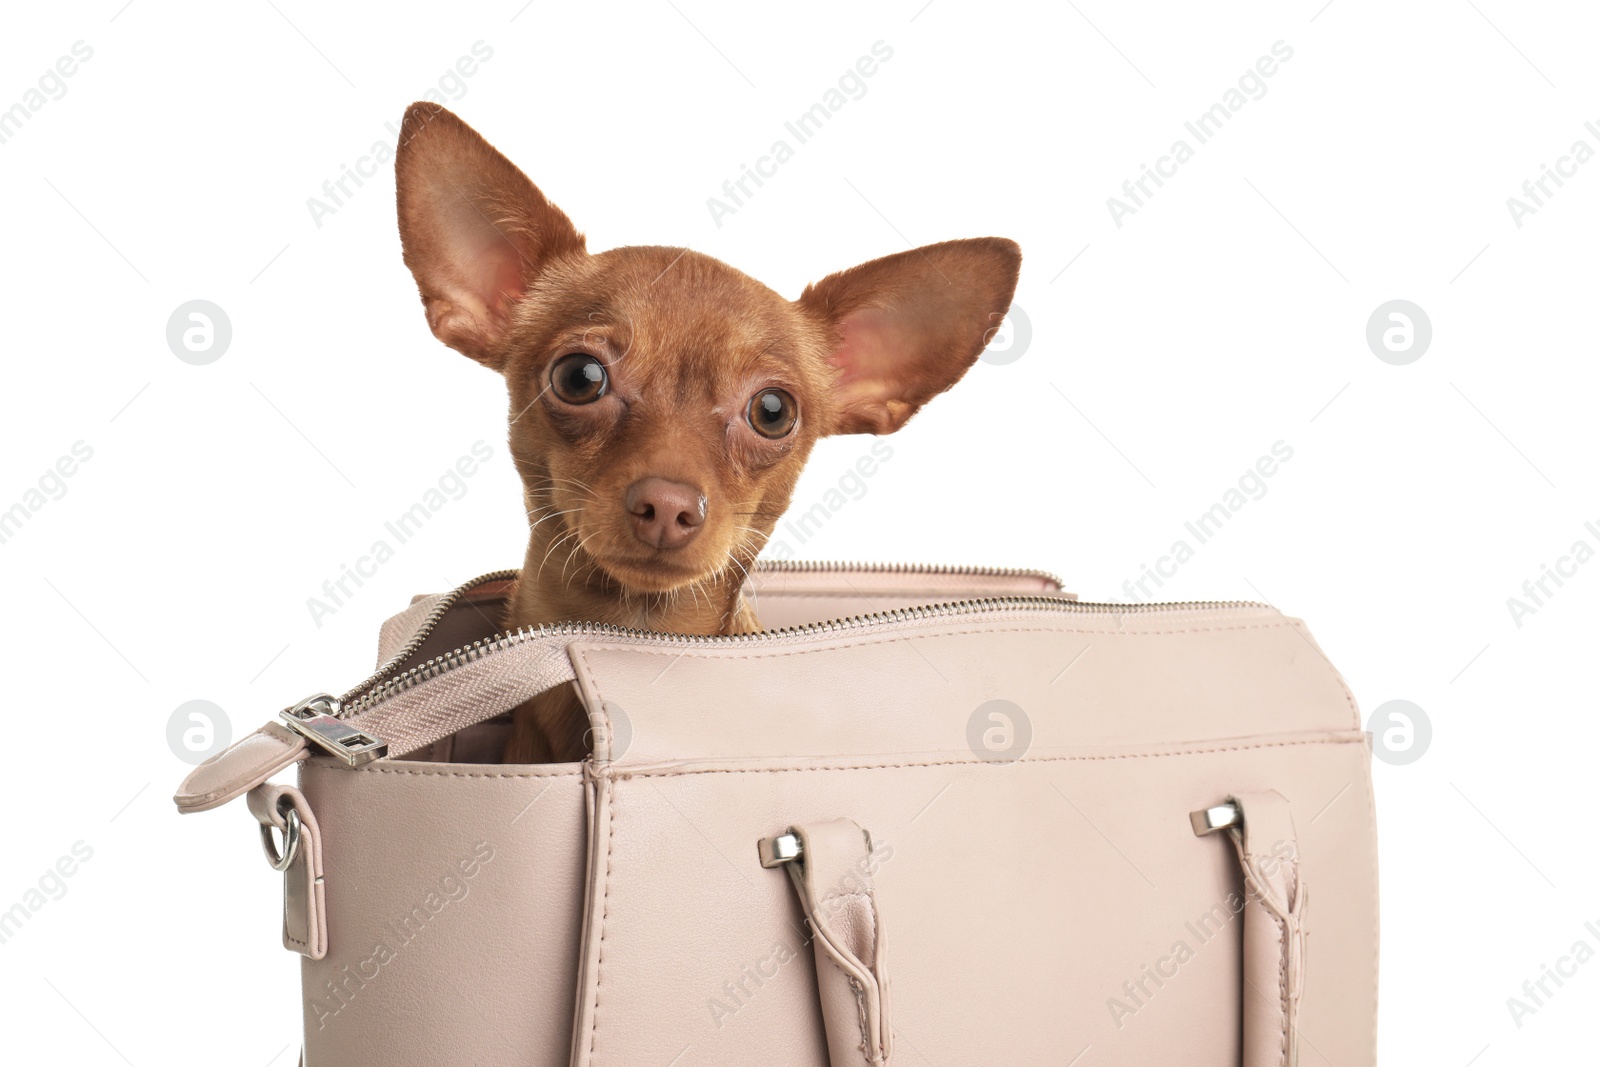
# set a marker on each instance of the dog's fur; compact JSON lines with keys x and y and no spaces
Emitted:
{"x":686,"y":342}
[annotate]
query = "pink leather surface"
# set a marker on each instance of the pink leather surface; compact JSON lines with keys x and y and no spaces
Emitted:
{"x":454,"y":898}
{"x":1043,"y":901}
{"x":1035,"y":909}
{"x":791,"y":598}
{"x":1062,"y":901}
{"x":1081,"y":679}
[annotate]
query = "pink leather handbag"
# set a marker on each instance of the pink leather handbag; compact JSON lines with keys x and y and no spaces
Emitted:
{"x":929,"y":816}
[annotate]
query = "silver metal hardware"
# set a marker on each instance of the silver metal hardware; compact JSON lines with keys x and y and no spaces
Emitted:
{"x":1211,"y":820}
{"x":315,"y":719}
{"x":291,"y":837}
{"x":780,"y":850}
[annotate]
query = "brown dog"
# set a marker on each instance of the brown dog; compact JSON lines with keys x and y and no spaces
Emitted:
{"x":662,"y":403}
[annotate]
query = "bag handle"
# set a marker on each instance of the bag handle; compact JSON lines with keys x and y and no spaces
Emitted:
{"x":415,"y":718}
{"x":831,"y":865}
{"x":1262,"y":831}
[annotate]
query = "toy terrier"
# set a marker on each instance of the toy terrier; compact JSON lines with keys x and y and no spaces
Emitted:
{"x":662,"y":402}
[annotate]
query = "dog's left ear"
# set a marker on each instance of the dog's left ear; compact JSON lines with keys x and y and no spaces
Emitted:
{"x":474,"y":229}
{"x":906,"y":327}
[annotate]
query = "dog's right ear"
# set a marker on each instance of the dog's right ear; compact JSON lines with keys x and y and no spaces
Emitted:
{"x":474,"y":229}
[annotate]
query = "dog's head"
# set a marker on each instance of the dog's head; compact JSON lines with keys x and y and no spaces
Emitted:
{"x":663,"y":403}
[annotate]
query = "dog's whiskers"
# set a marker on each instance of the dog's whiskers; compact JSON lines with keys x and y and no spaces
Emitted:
{"x":553,"y":545}
{"x":576,"y":548}
{"x":555,"y":515}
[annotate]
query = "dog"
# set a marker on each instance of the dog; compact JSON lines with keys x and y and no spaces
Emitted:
{"x":663,"y":403}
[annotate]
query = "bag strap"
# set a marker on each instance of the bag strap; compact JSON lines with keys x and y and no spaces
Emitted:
{"x":1261,"y":828}
{"x":831,"y":865}
{"x":415,"y":718}
{"x":284,"y":809}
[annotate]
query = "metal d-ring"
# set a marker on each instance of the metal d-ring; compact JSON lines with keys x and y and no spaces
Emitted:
{"x":291,"y":837}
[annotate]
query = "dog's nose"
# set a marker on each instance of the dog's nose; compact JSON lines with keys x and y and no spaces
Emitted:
{"x":666,"y":514}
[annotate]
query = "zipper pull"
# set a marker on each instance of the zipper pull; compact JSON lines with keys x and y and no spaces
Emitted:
{"x":316,"y":719}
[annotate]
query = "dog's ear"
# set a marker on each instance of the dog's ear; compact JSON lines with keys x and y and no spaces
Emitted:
{"x":474,"y":229}
{"x":906,"y":327}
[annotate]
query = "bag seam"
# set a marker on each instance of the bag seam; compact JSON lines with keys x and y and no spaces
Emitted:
{"x":377,"y":768}
{"x":605,"y":914}
{"x":855,"y":988}
{"x":891,"y":637}
{"x":1283,"y":985}
{"x":683,"y":772}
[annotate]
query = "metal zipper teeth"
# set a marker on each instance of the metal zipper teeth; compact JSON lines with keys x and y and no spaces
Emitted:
{"x":426,"y":627}
{"x":450,"y":599}
{"x":366,"y":695}
{"x":814,"y":566}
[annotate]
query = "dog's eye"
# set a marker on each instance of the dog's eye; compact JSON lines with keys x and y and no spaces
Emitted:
{"x":773,"y":413}
{"x":578,"y":378}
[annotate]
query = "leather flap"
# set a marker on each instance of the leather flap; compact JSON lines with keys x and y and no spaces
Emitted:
{"x":240,"y":767}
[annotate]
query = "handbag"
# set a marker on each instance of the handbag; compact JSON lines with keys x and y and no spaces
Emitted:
{"x":927,"y":816}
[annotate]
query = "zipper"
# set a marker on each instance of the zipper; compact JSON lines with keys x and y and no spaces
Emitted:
{"x":322,"y":710}
{"x":423,"y":631}
{"x":804,"y":566}
{"x":814,"y":566}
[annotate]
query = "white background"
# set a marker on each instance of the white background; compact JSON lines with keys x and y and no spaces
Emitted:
{"x":1166,"y":356}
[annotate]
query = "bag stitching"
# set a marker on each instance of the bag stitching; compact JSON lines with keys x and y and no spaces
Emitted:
{"x":861,"y":1011}
{"x":605,"y":914}
{"x":680,"y":772}
{"x":1283,"y":986}
{"x":378,"y":768}
{"x":1258,"y":889}
{"x":860,"y":992}
{"x":1256,"y":893}
{"x":855,"y":987}
{"x":891,"y":638}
